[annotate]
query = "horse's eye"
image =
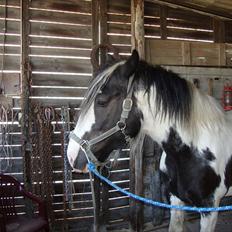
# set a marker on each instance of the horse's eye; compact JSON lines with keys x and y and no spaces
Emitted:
{"x":102,"y":100}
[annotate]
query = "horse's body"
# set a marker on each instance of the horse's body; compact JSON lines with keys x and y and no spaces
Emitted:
{"x":191,"y":128}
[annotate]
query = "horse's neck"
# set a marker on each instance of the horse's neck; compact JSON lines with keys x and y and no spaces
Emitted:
{"x":152,"y":124}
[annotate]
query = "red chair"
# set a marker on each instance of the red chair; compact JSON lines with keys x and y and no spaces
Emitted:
{"x":10,"y":192}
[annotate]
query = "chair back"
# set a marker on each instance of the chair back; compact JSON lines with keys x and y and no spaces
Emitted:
{"x":9,"y":191}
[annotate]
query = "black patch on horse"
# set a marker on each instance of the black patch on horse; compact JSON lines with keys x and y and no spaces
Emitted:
{"x":228,"y":173}
{"x":190,"y":177}
{"x":208,"y":155}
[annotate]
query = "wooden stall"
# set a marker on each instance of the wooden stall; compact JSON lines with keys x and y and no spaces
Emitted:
{"x":45,"y":68}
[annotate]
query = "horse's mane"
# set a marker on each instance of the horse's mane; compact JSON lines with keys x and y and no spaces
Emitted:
{"x":173,"y":93}
{"x":179,"y":100}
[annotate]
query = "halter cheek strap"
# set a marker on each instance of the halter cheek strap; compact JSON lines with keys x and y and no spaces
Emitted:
{"x":120,"y":126}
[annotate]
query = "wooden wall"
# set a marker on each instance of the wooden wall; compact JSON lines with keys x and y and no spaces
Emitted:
{"x":59,"y":51}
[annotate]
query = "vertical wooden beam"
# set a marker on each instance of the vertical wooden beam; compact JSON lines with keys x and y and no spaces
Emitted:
{"x":136,"y":156}
{"x":103,"y":28}
{"x":218,"y":30}
{"x":186,"y":53}
{"x":25,"y":73}
{"x":95,"y":25}
{"x":137,"y":26}
{"x":95,"y":41}
{"x":25,"y":88}
{"x":163,"y":22}
{"x":222,"y":54}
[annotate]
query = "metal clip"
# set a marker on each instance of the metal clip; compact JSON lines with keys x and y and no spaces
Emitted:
{"x":127,"y":104}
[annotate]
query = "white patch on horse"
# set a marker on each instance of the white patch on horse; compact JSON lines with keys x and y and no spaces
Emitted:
{"x":162,"y":165}
{"x":177,"y":216}
{"x":81,"y":128}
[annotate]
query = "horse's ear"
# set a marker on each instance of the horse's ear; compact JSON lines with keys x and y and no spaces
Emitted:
{"x":110,"y":59}
{"x":131,"y":64}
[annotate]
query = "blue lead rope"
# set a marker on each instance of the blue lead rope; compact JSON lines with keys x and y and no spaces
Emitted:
{"x":93,"y":169}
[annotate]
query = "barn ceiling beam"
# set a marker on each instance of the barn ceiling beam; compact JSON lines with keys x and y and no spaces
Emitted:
{"x":195,"y":8}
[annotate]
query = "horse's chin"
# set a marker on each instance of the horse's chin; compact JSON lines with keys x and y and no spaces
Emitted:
{"x":84,"y":170}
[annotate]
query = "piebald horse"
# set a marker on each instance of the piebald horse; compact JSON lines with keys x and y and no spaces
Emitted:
{"x":132,"y":96}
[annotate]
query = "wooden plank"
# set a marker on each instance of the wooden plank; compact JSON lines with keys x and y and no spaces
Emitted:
{"x":228,"y":32}
{"x":118,"y":213}
{"x":7,"y":49}
{"x":58,"y":92}
{"x":186,"y":53}
{"x":204,"y":54}
{"x":119,"y":28}
{"x":151,"y":9}
{"x":60,"y":5}
{"x":59,"y":80}
{"x":219,"y":30}
{"x":228,"y":52}
{"x":11,"y":39}
{"x":11,"y":83}
{"x":116,"y":39}
{"x":60,"y":65}
{"x":152,"y":31}
{"x":189,"y":16}
{"x":185,"y":23}
{"x":13,"y":13}
{"x":15,"y":3}
{"x":120,"y":6}
{"x":12,"y":26}
{"x":56,"y":51}
{"x":222,"y":54}
{"x":163,"y":21}
{"x":63,"y":41}
{"x":57,"y":102}
{"x":189,"y":34}
{"x":51,"y":16}
{"x":10,"y":62}
{"x":119,"y":18}
{"x":160,"y":52}
{"x":47,"y":29}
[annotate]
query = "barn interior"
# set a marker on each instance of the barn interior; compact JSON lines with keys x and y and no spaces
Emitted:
{"x":46,"y":65}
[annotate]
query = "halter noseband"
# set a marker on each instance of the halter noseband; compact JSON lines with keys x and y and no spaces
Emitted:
{"x":120,"y":126}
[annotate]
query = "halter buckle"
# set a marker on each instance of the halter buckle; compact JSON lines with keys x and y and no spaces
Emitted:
{"x":127,"y":104}
{"x":121,"y":125}
{"x":84,"y":144}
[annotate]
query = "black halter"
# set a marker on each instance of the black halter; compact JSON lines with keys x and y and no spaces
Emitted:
{"x":120,"y":126}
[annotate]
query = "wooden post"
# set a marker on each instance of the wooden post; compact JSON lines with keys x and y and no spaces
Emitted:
{"x":137,"y":26}
{"x":95,"y":25}
{"x":218,"y":30}
{"x":136,"y":156}
{"x":163,"y":22}
{"x":95,"y":41}
{"x":103,"y":28}
{"x":25,"y":96}
{"x":25,"y":90}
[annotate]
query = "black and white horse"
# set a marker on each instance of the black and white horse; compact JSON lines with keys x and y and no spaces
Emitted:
{"x":191,"y":128}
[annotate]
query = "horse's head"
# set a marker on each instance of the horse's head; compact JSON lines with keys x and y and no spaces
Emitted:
{"x":102,"y":114}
